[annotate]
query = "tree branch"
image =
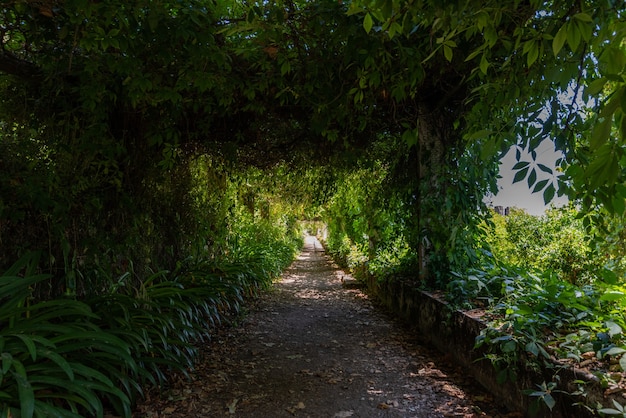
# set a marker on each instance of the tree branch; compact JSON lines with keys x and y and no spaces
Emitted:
{"x":10,"y":64}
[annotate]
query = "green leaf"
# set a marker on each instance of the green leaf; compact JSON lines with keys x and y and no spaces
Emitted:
{"x":603,"y":169}
{"x":545,"y":169}
{"x":488,"y":149}
{"x":474,"y":54}
{"x":612,"y":61}
{"x":559,"y":40}
{"x":610,"y":411}
{"x":619,"y":204}
{"x":480,"y":134}
{"x":610,"y":277}
{"x":533,"y":54}
{"x":584,"y":29}
{"x":613,"y":351}
{"x":532,"y":348}
{"x":447,"y":51}
{"x":573,"y":36}
{"x":532,"y":178}
{"x":600,"y":134}
{"x":509,"y":346}
{"x":596,"y":86}
{"x":540,"y":185}
{"x":548,"y":194}
{"x":83,"y":389}
{"x":520,"y":165}
{"x":24,"y":390}
{"x":583,"y":17}
{"x":368,"y":22}
{"x":30,"y":345}
{"x":520,"y":175}
{"x":484,"y":64}
{"x":410,"y":137}
{"x":7,"y":361}
{"x":549,"y":401}
{"x":612,"y":105}
{"x":613,"y":328}
{"x":60,"y":361}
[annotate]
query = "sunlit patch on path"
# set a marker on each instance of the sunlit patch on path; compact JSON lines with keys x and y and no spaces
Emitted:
{"x":312,"y":348}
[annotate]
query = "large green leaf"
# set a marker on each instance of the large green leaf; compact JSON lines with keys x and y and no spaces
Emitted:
{"x":24,"y":390}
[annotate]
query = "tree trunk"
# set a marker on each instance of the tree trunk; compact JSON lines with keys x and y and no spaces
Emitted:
{"x":434,"y":135}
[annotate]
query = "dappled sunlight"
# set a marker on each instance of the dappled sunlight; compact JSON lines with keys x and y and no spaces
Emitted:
{"x":318,"y":346}
{"x":292,"y":279}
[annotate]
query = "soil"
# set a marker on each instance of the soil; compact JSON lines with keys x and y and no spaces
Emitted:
{"x":317,"y":346}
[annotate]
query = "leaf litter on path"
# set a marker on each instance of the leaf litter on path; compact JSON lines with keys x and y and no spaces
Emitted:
{"x":311,"y":347}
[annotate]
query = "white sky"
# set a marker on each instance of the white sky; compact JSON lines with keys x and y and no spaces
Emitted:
{"x":519,"y":194}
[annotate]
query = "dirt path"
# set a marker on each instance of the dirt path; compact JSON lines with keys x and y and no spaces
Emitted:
{"x":314,"y":348}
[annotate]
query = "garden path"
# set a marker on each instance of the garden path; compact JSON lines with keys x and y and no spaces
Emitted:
{"x":312,"y":347}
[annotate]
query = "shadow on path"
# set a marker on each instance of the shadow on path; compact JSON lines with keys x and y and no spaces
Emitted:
{"x":312,"y":348}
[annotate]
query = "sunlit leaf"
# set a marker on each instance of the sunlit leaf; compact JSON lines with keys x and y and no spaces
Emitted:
{"x":447,"y":51}
{"x":484,"y":64}
{"x":573,"y":36}
{"x":600,"y":133}
{"x":596,"y":86}
{"x":368,"y":22}
{"x":559,"y":40}
{"x":533,"y":54}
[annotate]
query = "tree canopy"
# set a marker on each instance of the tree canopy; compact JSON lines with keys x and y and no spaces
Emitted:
{"x":116,"y":95}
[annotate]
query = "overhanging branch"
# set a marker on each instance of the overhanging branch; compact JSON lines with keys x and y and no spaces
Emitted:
{"x":10,"y":64}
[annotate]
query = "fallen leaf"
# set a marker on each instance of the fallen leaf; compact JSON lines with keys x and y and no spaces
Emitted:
{"x":300,"y":405}
{"x":343,"y":414}
{"x":232,"y":407}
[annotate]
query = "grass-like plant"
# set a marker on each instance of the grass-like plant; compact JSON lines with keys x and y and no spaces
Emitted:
{"x":47,"y":349}
{"x":75,"y":358}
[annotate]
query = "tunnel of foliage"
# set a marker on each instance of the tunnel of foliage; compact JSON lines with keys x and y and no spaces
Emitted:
{"x":157,"y":159}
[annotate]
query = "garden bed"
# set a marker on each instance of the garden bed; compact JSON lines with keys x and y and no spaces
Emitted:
{"x":578,"y":390}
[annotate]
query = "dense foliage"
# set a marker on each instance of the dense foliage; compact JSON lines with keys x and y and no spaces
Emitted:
{"x":155,"y":157}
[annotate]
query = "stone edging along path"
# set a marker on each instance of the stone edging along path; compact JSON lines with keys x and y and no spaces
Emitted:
{"x":454,"y":332}
{"x":317,"y":347}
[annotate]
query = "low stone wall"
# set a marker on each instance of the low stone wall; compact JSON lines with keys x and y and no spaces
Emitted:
{"x":454,"y":333}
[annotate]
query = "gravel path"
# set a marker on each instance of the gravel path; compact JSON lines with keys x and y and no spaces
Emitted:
{"x":314,"y":347}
